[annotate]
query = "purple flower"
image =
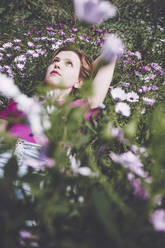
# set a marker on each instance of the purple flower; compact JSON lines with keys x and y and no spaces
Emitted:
{"x":35,"y":55}
{"x":138,"y":74}
{"x":30,"y":52}
{"x":60,"y":25}
{"x":49,"y":28}
{"x":51,"y":33}
{"x":130,"y":53}
{"x":74,"y":29}
{"x":2,"y":49}
{"x":9,"y":55}
{"x":21,"y":58}
{"x":7,"y":45}
{"x":144,"y":89}
{"x":149,"y":77}
{"x":72,"y":35}
{"x":158,"y":220}
{"x":36,"y":39}
{"x":86,"y":38}
{"x":17,"y":48}
{"x":17,"y":41}
{"x":1,"y":56}
{"x":27,"y":34}
{"x":129,"y":61}
{"x":61,"y":32}
{"x":70,"y":19}
{"x":125,"y":84}
{"x":69,"y":40}
{"x":145,"y":68}
{"x":20,"y":66}
{"x":30,"y":44}
{"x":25,"y":234}
{"x":139,"y":191}
{"x":117,"y":133}
{"x":44,"y":38}
{"x":112,"y":48}
{"x":153,"y":87}
{"x":138,"y":55}
{"x":38,"y":47}
{"x":94,"y":11}
{"x":148,"y":101}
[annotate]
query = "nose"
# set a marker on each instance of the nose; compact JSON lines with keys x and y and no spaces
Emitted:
{"x":56,"y":66}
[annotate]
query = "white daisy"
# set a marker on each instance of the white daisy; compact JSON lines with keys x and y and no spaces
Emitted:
{"x":132,"y":97}
{"x":118,"y":94}
{"x":123,"y":109}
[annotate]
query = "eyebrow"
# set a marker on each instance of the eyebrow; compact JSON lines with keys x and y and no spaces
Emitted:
{"x":56,"y":58}
{"x":66,"y":59}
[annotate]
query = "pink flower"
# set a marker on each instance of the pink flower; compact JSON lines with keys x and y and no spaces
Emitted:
{"x":11,"y":111}
{"x":22,"y":131}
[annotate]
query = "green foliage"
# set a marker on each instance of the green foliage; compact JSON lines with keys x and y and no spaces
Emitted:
{"x":59,"y":206}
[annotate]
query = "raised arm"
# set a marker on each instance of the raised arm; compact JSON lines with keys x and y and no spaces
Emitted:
{"x":101,"y":82}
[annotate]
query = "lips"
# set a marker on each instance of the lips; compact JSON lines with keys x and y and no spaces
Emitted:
{"x":54,"y":72}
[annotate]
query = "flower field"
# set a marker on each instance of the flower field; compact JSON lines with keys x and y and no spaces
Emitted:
{"x":101,"y":183}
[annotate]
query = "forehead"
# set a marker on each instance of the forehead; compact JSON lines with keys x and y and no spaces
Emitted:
{"x":71,"y":55}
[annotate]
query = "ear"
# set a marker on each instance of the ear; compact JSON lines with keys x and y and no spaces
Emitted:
{"x":78,"y":84}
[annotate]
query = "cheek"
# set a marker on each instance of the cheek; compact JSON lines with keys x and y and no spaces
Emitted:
{"x":49,"y":69}
{"x":74,"y":75}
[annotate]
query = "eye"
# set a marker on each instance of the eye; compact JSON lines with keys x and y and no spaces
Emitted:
{"x":55,"y":60}
{"x":69,"y":63}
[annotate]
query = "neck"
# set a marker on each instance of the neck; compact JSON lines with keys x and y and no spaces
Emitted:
{"x":59,"y":94}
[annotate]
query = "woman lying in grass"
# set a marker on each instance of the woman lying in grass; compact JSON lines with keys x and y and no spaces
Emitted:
{"x":68,"y":70}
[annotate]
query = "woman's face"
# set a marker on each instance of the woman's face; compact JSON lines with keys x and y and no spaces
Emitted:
{"x":64,"y":70}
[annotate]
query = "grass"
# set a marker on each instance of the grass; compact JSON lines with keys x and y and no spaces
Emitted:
{"x":65,"y":209}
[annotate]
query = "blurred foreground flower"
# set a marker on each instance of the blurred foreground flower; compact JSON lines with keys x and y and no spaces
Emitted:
{"x":113,"y":48}
{"x":94,"y":11}
{"x":28,"y":105}
{"x":158,"y":220}
{"x":139,"y":191}
{"x":122,"y":108}
{"x":131,"y":161}
{"x":84,"y":171}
